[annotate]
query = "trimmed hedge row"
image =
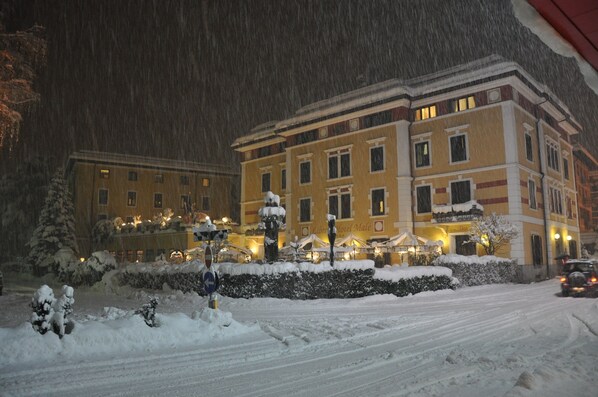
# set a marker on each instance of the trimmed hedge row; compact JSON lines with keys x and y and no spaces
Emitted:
{"x":334,"y":284}
{"x":470,"y":274}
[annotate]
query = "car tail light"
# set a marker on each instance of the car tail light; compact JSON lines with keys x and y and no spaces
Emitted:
{"x":563,"y":279}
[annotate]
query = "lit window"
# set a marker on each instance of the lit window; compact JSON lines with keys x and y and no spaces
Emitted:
{"x":378,"y":196}
{"x":461,"y":104}
{"x":205,"y":182}
{"x":157,"y":200}
{"x":424,"y":113}
{"x":104,"y":173}
{"x":131,"y":199}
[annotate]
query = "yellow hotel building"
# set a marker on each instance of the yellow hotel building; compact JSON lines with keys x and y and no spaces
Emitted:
{"x":425,"y":155}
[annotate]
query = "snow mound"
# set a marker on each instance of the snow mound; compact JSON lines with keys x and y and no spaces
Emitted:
{"x":548,"y":382}
{"x":118,"y":332}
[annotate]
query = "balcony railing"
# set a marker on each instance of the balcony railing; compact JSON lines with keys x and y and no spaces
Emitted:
{"x":464,"y":212}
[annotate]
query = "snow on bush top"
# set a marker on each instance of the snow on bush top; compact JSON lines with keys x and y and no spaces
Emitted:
{"x":471,"y":260}
{"x":101,"y":260}
{"x":404,"y":271}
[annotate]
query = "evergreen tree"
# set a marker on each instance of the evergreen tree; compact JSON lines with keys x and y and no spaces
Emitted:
{"x":56,"y":225}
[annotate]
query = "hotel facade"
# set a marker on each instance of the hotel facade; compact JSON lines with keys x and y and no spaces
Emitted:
{"x":426,"y":155}
{"x":130,"y":189}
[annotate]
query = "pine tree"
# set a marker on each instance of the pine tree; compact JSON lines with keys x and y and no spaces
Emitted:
{"x":56,"y":225}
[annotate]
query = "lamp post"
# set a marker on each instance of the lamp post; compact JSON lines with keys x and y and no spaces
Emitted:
{"x":331,"y":236}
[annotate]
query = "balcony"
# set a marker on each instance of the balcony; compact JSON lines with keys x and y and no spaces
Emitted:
{"x":453,"y":213}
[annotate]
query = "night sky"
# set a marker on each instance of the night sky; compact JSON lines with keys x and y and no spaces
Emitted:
{"x":183,"y":79}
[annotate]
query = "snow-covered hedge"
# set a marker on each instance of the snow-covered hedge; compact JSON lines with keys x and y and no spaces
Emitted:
{"x":348,"y":279}
{"x":87,"y":272}
{"x":479,"y":270}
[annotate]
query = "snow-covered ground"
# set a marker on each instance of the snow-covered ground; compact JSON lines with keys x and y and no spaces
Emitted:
{"x":513,"y":340}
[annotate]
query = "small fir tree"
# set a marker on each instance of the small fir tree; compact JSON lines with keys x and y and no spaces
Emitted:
{"x":492,"y":232}
{"x":43,"y":310}
{"x":56,"y":225}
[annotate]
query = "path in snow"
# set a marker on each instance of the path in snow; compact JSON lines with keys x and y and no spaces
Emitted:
{"x":471,"y":342}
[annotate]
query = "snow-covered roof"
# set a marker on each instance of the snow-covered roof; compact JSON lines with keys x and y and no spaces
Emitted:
{"x":147,"y":162}
{"x":459,"y":76}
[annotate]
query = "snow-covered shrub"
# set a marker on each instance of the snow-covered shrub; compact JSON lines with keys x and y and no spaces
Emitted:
{"x":103,"y":232}
{"x":65,"y":262}
{"x":479,"y":270}
{"x":43,"y":311}
{"x":63,"y":307}
{"x":148,"y":312}
{"x":90,"y":271}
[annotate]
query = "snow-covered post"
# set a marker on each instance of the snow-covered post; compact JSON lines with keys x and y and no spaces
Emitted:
{"x":295,"y":246}
{"x":63,"y":306}
{"x":42,"y":303}
{"x":207,"y":232}
{"x":331,"y":236}
{"x":272,"y":215}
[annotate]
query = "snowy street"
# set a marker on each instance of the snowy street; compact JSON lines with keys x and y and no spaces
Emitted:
{"x":514,"y":340}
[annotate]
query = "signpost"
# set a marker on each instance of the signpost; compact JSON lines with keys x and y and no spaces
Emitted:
{"x":210,"y":280}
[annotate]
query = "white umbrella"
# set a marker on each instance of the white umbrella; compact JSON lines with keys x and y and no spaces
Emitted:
{"x":315,"y":241}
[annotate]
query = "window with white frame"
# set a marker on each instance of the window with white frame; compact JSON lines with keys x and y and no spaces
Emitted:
{"x":552,"y":155}
{"x":305,"y":172}
{"x":423,"y":198}
{"x":339,"y":203}
{"x":531,"y":189}
{"x":460,"y":192}
{"x":305,"y":210}
{"x":378,"y":205}
{"x":339,"y":163}
{"x":422,"y":154}
{"x":566,"y":167}
{"x":458,"y":148}
{"x":529,"y":147}
{"x":556,"y":201}
{"x":376,"y":158}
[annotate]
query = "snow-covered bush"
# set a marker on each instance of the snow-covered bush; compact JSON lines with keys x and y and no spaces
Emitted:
{"x":492,"y":232}
{"x":148,"y":312}
{"x":102,"y":232}
{"x":50,"y":313}
{"x":43,"y":311}
{"x":88,"y":272}
{"x":479,"y":270}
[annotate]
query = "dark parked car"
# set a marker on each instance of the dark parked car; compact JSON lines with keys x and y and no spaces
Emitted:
{"x":579,"y":278}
